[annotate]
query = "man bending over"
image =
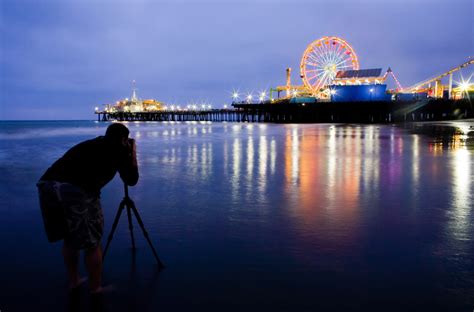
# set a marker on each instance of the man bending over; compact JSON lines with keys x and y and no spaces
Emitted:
{"x":69,"y":194}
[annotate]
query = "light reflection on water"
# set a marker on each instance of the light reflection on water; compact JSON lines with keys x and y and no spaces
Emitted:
{"x":461,"y":202}
{"x":365,"y":200}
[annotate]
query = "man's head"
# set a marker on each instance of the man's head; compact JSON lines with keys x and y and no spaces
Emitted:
{"x":117,"y":133}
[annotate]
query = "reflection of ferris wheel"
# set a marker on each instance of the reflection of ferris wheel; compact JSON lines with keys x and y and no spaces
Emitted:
{"x":323,"y":58}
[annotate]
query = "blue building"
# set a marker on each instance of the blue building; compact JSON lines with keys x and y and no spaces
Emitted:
{"x":352,"y":93}
{"x":359,"y":85}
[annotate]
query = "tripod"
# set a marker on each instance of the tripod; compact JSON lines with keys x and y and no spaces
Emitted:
{"x":128,"y":203}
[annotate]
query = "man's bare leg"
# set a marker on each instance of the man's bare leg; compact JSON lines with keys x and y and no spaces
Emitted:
{"x":71,"y":260}
{"x":93,"y":260}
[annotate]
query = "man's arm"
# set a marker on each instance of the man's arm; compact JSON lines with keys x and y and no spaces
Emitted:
{"x":129,"y":168}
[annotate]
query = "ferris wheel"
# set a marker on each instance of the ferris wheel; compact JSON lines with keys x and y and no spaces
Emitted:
{"x":323,"y":58}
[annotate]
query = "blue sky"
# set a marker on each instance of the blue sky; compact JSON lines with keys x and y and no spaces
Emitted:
{"x":60,"y":59}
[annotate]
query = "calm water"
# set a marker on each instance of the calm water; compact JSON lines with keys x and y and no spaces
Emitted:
{"x":256,"y":217}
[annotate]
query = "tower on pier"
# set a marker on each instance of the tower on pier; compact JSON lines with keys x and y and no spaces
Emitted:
{"x":134,"y":92}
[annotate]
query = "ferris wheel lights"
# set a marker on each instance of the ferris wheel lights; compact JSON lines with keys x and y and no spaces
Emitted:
{"x":333,"y":92}
{"x":323,"y":59}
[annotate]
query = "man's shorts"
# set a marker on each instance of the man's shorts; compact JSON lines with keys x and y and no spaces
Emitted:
{"x":68,"y":209}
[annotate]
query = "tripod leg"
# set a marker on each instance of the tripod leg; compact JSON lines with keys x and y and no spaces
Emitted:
{"x":130,"y":224}
{"x":145,"y":233}
{"x":114,"y":226}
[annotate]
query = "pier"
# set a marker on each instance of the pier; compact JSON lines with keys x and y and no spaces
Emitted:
{"x":318,"y":112}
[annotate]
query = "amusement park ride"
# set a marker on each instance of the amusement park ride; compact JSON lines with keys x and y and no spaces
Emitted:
{"x":331,"y":62}
{"x":425,"y":86}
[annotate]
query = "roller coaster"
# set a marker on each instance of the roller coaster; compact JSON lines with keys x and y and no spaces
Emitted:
{"x":437,"y":92}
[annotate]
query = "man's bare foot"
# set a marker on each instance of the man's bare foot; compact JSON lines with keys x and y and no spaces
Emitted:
{"x":103,"y":290}
{"x":77,"y":283}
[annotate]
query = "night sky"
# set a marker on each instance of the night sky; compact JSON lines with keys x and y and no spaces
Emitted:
{"x":60,"y":59}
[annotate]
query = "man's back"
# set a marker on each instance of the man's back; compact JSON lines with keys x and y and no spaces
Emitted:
{"x":90,"y":165}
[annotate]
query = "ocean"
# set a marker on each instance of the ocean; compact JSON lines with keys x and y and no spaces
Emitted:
{"x":257,"y":217}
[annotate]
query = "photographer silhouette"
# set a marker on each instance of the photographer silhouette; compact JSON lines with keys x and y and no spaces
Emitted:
{"x":69,"y":193}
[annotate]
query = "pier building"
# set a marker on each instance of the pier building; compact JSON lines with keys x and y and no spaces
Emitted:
{"x":134,"y":104}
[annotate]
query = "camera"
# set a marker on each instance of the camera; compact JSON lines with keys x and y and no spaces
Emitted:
{"x":127,"y":145}
{"x":130,"y":142}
